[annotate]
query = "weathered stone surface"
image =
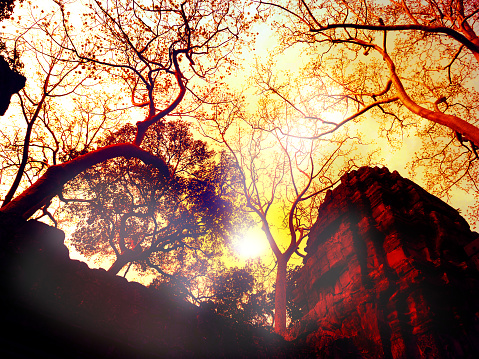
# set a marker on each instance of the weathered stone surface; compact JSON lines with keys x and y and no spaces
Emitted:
{"x":390,"y":272}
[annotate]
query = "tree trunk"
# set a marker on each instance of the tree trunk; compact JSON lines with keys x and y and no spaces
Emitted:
{"x":118,"y":264}
{"x":280,"y":297}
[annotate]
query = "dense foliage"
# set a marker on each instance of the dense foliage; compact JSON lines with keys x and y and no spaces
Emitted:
{"x":130,"y":212}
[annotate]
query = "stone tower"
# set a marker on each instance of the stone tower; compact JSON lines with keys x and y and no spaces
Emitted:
{"x":390,"y":272}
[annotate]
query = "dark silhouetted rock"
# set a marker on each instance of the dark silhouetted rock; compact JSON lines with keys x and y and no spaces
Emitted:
{"x":10,"y":83}
{"x":54,"y":307}
{"x":390,"y":272}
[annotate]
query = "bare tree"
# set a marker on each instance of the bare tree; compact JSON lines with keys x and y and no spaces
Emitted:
{"x":153,"y":53}
{"x":411,"y":65}
{"x":282,"y":177}
{"x":56,"y":78}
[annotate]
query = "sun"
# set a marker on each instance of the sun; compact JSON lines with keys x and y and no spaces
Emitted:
{"x":252,"y":243}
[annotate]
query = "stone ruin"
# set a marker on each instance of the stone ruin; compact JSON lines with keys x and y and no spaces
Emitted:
{"x":390,"y":272}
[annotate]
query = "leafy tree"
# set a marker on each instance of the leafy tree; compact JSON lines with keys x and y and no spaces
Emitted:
{"x":239,"y":296}
{"x":413,"y":65}
{"x":129,"y":211}
{"x":293,"y":311}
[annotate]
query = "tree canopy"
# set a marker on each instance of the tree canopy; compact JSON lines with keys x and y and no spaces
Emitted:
{"x":129,"y":211}
{"x":152,"y":55}
{"x":412,"y":66}
{"x":98,"y":123}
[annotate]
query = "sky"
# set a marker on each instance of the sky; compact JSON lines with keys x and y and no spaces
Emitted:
{"x":253,"y":242}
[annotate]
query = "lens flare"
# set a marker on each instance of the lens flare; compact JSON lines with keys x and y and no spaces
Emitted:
{"x":252,"y":244}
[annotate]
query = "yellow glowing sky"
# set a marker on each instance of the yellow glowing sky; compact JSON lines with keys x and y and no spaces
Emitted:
{"x":253,"y":242}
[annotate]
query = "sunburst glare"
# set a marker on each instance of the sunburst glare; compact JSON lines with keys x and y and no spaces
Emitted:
{"x":252,"y":243}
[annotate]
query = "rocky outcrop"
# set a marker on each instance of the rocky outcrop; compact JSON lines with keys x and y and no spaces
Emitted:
{"x":54,"y":307}
{"x":390,"y":272}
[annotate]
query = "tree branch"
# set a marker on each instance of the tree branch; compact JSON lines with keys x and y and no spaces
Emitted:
{"x":430,"y":29}
{"x":53,"y":180}
{"x":143,"y":126}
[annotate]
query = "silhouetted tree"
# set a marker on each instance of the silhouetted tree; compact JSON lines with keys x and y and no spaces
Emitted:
{"x":239,"y":296}
{"x":128,"y":211}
